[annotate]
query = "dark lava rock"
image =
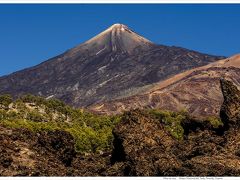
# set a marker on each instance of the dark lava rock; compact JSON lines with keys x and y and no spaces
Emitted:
{"x":26,"y":153}
{"x":230,"y":109}
{"x":49,"y":153}
{"x":143,"y":143}
{"x":59,"y":143}
{"x":147,"y":149}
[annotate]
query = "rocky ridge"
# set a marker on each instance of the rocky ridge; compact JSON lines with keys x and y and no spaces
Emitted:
{"x":196,"y":90}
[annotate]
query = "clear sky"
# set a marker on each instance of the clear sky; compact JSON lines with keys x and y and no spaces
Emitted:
{"x":30,"y":34}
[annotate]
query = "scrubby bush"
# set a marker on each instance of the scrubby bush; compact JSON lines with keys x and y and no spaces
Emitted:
{"x":5,"y":101}
{"x":35,"y":116}
{"x":215,"y":122}
{"x":3,"y":114}
{"x":172,"y":121}
{"x":33,"y":126}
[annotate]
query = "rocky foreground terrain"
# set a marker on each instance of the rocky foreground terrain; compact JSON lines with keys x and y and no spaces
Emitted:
{"x":144,"y":144}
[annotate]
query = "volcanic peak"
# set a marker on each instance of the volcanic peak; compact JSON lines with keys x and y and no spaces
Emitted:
{"x":116,"y":38}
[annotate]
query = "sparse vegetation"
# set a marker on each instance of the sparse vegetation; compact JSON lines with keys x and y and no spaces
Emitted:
{"x":5,"y":100}
{"x":172,"y":121}
{"x":215,"y":122}
{"x":91,"y":132}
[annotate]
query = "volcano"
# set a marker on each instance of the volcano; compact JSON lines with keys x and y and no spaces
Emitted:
{"x":117,"y":38}
{"x":116,"y":63}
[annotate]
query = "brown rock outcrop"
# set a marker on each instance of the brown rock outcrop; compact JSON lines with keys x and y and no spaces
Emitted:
{"x":147,"y":149}
{"x":141,"y":141}
{"x":25,"y":153}
{"x":230,"y":109}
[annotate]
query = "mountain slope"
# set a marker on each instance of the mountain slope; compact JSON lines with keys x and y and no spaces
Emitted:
{"x":196,"y":90}
{"x":116,"y":63}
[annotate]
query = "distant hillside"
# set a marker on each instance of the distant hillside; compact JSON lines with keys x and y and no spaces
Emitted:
{"x":196,"y":90}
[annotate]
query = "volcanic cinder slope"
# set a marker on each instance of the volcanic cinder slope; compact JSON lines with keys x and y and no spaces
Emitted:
{"x":116,"y":63}
{"x":196,"y":90}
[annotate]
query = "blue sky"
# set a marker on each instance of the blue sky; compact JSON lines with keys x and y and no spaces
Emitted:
{"x":30,"y":34}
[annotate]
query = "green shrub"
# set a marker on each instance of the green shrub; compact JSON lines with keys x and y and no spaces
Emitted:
{"x":33,"y":126}
{"x":172,"y":121}
{"x":35,"y":116}
{"x":215,"y":122}
{"x":3,"y":114}
{"x":5,"y":101}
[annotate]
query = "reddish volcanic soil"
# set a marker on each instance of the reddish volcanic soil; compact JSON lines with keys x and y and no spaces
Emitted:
{"x":196,"y":90}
